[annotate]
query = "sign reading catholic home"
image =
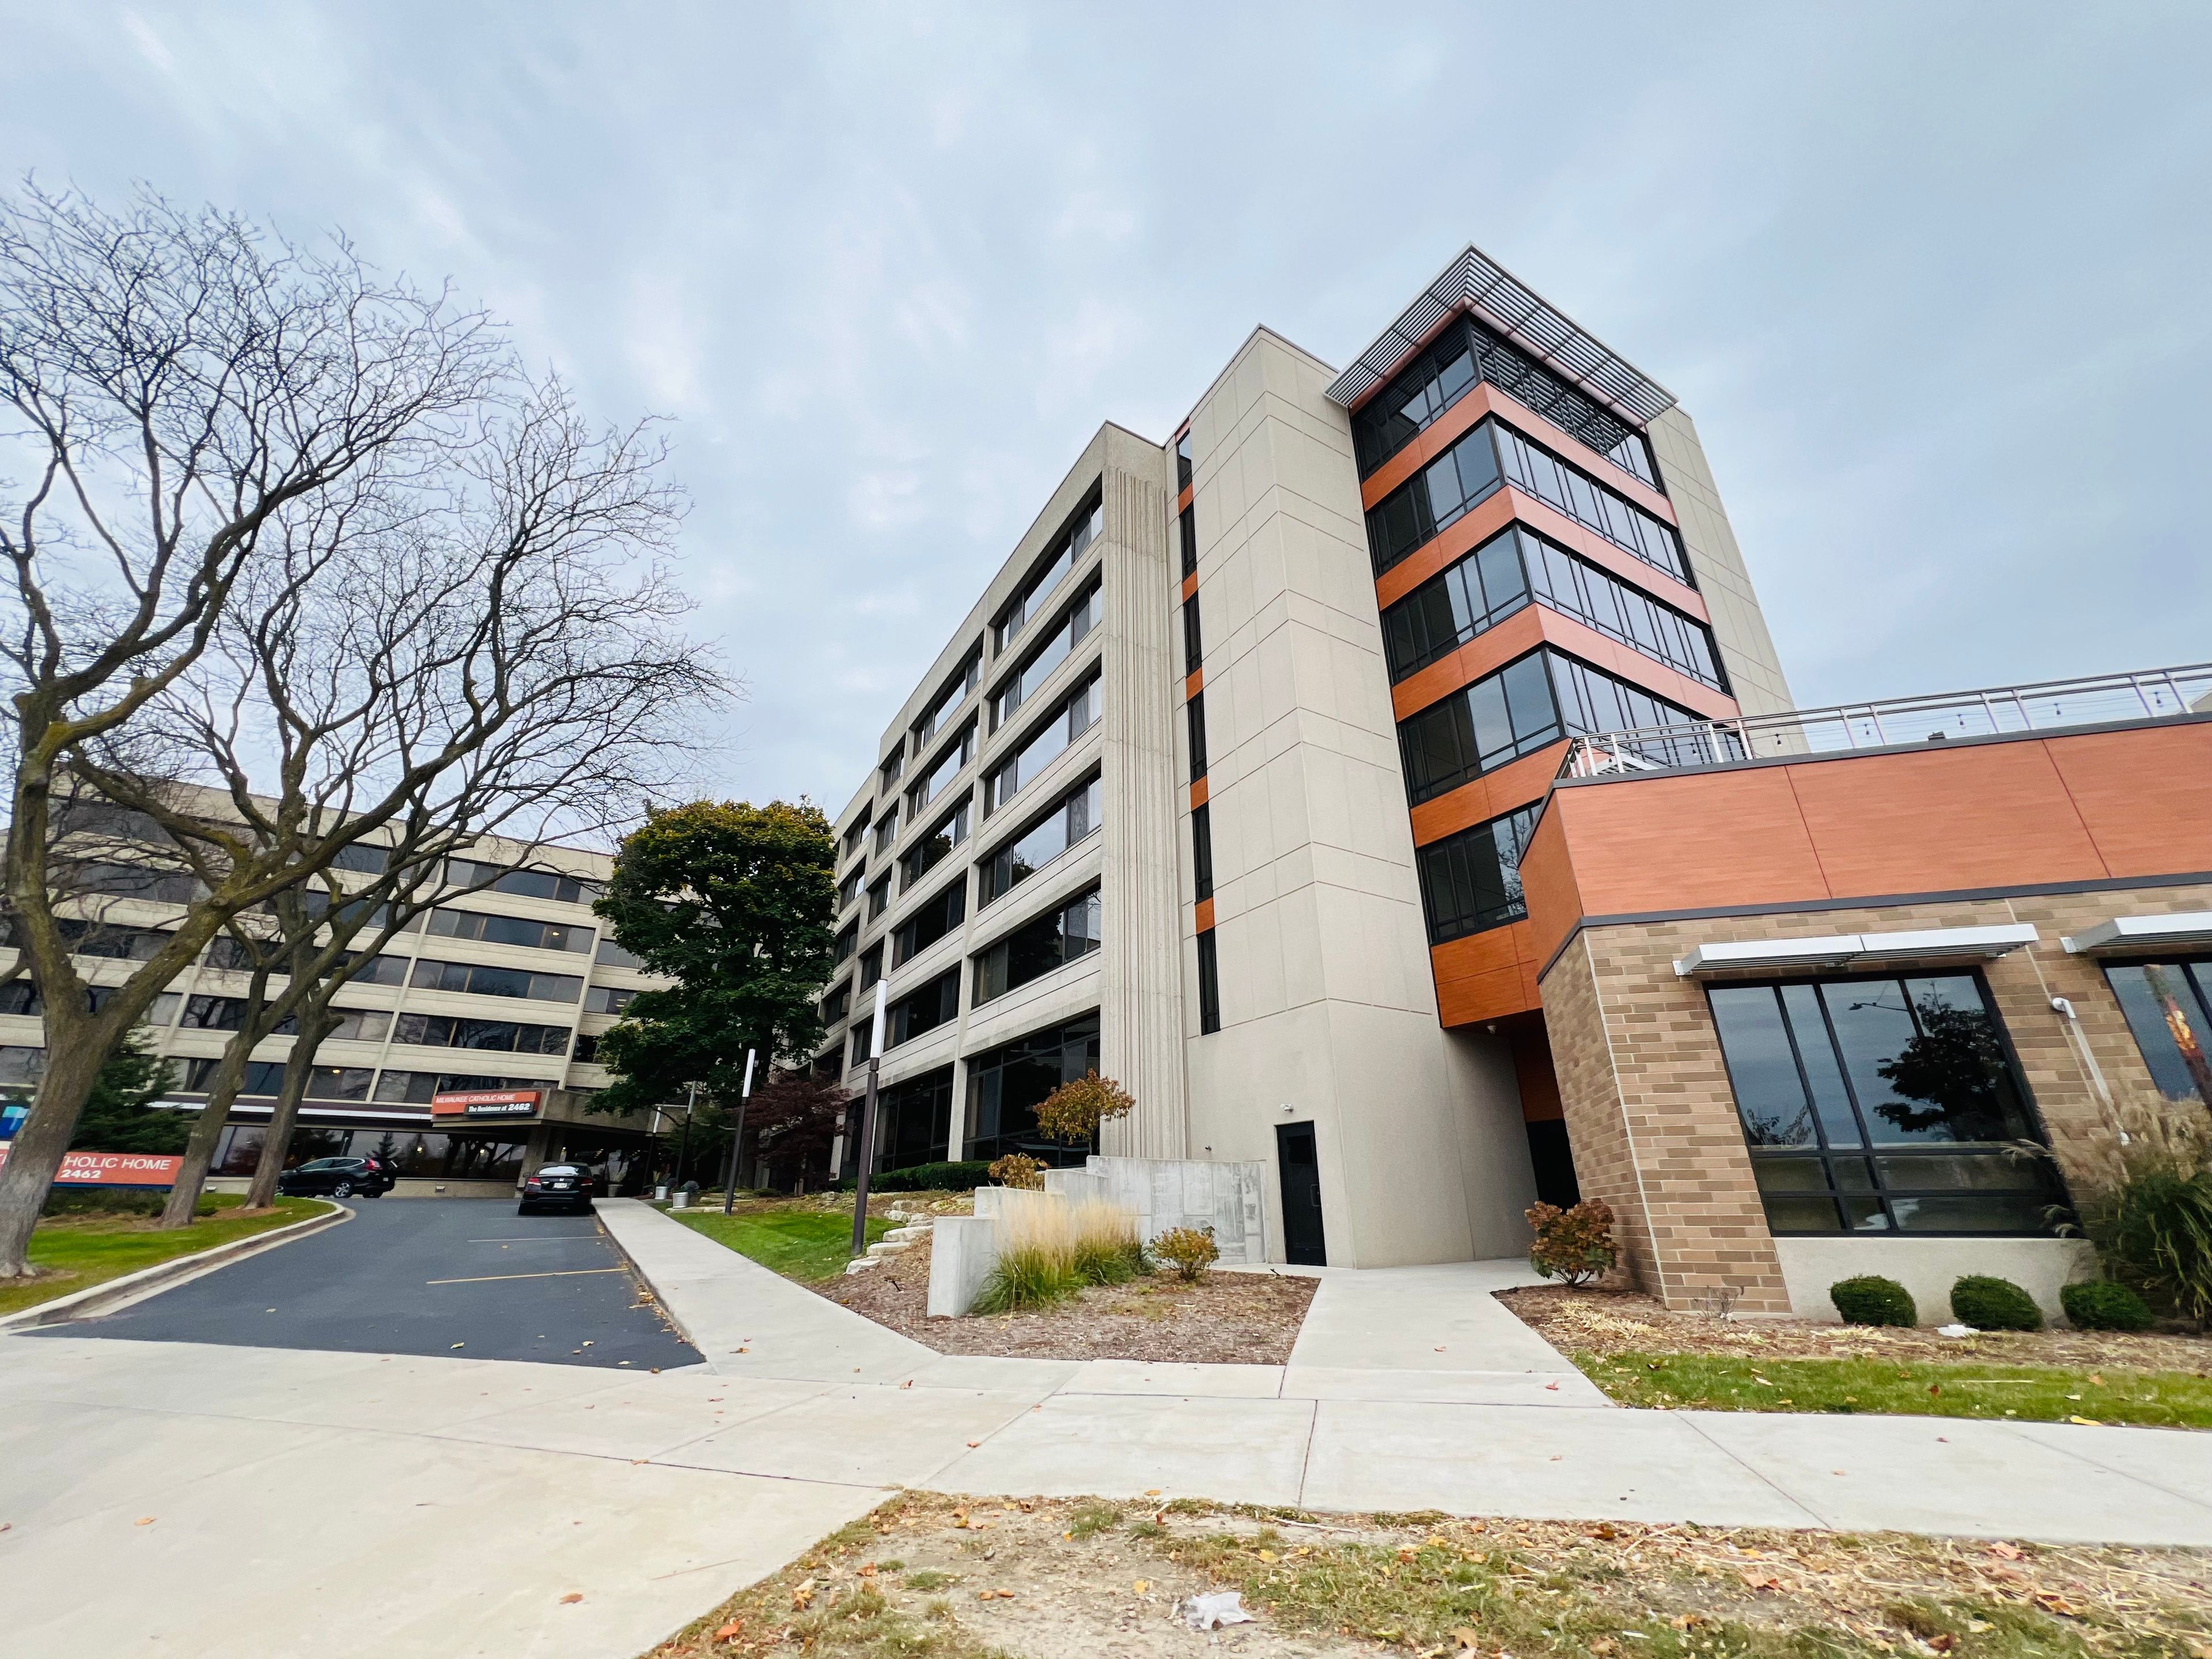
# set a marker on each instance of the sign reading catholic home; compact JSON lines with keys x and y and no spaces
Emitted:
{"x":488,"y":1103}
{"x":114,"y":1169}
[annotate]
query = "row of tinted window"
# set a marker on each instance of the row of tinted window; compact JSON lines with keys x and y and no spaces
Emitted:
{"x":1466,"y":352}
{"x":1075,"y":715}
{"x":1471,"y":881}
{"x":524,"y":931}
{"x":1533,"y":700}
{"x":1065,"y":553}
{"x":948,"y":697}
{"x":1480,"y":464}
{"x":947,"y":766}
{"x":1037,"y":947}
{"x":520,"y":883}
{"x":1516,"y":568}
{"x":1082,"y":617}
{"x":1882,"y":1104}
{"x":1072,"y":818}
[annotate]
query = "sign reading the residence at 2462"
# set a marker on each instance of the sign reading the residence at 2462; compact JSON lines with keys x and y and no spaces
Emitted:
{"x":488,"y":1103}
{"x":114,"y":1169}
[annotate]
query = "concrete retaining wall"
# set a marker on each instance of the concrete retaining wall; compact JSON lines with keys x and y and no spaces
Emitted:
{"x":1928,"y":1266}
{"x":1165,"y":1192}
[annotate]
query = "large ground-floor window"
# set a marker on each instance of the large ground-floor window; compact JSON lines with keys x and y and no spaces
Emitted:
{"x":1885,"y":1105}
{"x":2169,"y":1008}
{"x":1006,"y":1084}
{"x":914,"y":1120}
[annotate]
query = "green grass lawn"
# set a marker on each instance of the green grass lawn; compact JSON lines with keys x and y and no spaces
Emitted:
{"x":805,"y":1245}
{"x":2046,"y":1394}
{"x":84,"y":1250}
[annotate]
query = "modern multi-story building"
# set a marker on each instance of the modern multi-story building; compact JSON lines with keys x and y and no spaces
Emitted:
{"x":1221,"y":785}
{"x":466,"y":1049}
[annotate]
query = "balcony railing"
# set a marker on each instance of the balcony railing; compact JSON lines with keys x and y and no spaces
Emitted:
{"x":1898,"y":723}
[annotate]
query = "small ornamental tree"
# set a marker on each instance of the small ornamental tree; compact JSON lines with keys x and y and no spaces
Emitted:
{"x":1574,"y":1246}
{"x":1018,"y":1170}
{"x":1073,"y":1111}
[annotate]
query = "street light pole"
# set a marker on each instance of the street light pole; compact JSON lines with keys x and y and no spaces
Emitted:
{"x":738,"y":1138}
{"x":868,"y":1125}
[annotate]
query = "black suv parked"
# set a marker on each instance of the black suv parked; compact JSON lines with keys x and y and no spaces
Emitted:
{"x":340,"y":1177}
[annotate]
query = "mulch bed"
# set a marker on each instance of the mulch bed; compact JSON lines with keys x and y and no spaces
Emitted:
{"x":1628,"y":1322}
{"x":1228,"y":1318}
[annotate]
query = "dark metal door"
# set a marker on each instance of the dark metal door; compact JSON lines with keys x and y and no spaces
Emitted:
{"x":1300,"y":1167}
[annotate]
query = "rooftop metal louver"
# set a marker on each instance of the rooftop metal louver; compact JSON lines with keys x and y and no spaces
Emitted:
{"x":1476,"y":282}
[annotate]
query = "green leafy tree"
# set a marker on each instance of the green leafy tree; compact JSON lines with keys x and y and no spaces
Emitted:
{"x":119,"y":1115}
{"x":736,"y":904}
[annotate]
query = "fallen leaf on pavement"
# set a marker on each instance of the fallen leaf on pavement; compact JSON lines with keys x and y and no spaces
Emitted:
{"x":974,"y":1443}
{"x":572,"y":1595}
{"x":1141,"y":1586}
{"x":143,"y":1520}
{"x":908,"y":1384}
{"x":457,"y":1345}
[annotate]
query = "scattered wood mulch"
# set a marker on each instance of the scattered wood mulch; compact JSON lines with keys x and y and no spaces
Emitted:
{"x":1627,"y":1322}
{"x":1227,"y":1318}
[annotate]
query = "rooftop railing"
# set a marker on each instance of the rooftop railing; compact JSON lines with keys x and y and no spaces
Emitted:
{"x":1897,"y":723}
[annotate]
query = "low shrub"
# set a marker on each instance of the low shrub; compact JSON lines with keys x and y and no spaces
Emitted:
{"x":1574,"y":1245}
{"x":1017,"y":1169}
{"x":932,"y":1178}
{"x":1870,"y":1299}
{"x":2100,"y":1304}
{"x":2153,"y":1225}
{"x":1049,"y":1249}
{"x":1989,"y":1303}
{"x":1190,"y":1250}
{"x":111,"y":1201}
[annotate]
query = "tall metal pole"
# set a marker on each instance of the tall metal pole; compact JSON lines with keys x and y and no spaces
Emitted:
{"x":738,"y":1138}
{"x":868,"y":1125}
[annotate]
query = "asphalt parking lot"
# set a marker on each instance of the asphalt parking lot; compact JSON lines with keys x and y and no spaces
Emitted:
{"x":464,"y":1277}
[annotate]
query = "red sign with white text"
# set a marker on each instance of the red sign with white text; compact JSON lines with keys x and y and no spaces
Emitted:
{"x":114,"y":1169}
{"x":487,"y":1103}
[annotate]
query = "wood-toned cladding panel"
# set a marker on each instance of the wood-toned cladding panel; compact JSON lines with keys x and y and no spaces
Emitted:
{"x":1485,"y":976}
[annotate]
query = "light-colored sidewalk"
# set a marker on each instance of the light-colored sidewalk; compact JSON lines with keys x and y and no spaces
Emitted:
{"x":359,"y":1504}
{"x":1413,"y":1388}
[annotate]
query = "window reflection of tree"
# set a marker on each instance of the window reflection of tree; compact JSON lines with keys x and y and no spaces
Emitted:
{"x":1953,"y":1063}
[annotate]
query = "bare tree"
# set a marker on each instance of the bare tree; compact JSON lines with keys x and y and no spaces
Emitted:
{"x":304,"y":530}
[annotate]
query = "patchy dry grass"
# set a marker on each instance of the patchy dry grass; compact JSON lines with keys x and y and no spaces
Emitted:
{"x":1042,"y":1579}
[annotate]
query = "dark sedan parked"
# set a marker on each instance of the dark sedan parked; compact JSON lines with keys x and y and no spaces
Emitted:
{"x":339,"y":1178}
{"x":556,"y":1186}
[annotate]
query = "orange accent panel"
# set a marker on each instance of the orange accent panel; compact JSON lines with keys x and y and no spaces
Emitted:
{"x":1189,"y":586}
{"x":1198,"y":794}
{"x":1990,"y":816}
{"x":1205,"y":915}
{"x":1485,"y":976}
{"x":1484,"y":798}
{"x":1492,"y":515}
{"x":1548,"y":882}
{"x":1193,"y":683}
{"x":2146,"y":797}
{"x":2097,"y":806}
{"x":1182,"y":498}
{"x":1692,"y":842}
{"x":1492,"y":649}
{"x":1486,"y":399}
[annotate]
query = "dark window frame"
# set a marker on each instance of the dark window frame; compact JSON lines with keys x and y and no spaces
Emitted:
{"x":2050,"y":1190}
{"x":986,"y":893}
{"x":1431,"y":858}
{"x":1209,"y":983}
{"x":1001,"y":949}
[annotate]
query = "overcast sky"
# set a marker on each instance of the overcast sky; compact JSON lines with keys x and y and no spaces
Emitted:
{"x":1932,"y":278}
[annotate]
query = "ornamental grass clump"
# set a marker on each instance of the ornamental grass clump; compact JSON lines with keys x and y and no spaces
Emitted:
{"x":1050,"y":1248}
{"x":1574,"y":1246}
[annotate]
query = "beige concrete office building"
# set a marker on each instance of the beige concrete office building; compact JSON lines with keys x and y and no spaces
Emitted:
{"x":502,"y":993}
{"x":1221,"y":784}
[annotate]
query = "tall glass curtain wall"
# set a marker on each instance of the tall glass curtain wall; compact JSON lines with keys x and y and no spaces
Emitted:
{"x":1533,"y":700}
{"x":913,"y":1122}
{"x":2169,"y":1009}
{"x":1471,"y":881}
{"x":1883,"y":1104}
{"x":1517,"y":567}
{"x":1006,"y":1084}
{"x":1482,"y":463}
{"x":1466,"y":353}
{"x":1074,"y":818}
